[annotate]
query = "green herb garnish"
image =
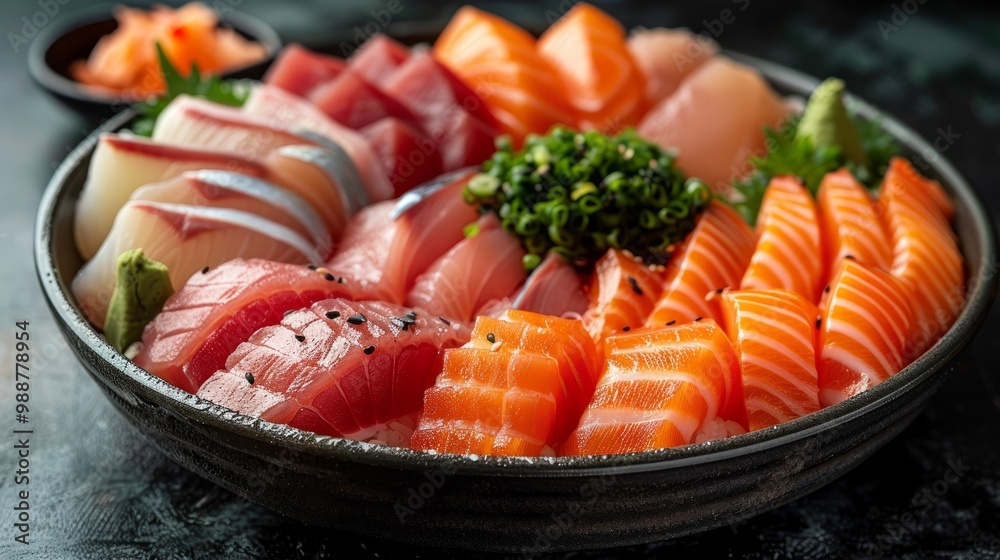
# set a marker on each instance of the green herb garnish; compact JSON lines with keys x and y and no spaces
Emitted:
{"x":578,"y":194}
{"x":213,"y":88}
{"x":825,"y":137}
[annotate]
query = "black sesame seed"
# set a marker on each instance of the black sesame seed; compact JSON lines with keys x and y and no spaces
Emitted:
{"x":626,"y":328}
{"x":826,"y":290}
{"x":720,"y":290}
{"x":288,"y":312}
{"x":849,"y":257}
{"x":357,"y":319}
{"x":340,"y":279}
{"x":819,"y":321}
{"x":696,"y":319}
{"x":445,"y":321}
{"x":369,"y":350}
{"x":300,"y":338}
{"x":311,"y":267}
{"x":411,"y":315}
{"x":249,"y":377}
{"x":491,"y":338}
{"x":204,"y":270}
{"x":329,"y":277}
{"x":332,"y":314}
{"x":670,"y":323}
{"x":635,"y":285}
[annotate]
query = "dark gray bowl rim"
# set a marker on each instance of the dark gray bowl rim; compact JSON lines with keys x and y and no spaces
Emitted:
{"x":981,"y":286}
{"x":48,"y":78}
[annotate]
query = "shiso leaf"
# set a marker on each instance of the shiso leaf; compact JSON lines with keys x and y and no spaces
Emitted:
{"x":808,"y":154}
{"x":212,"y":88}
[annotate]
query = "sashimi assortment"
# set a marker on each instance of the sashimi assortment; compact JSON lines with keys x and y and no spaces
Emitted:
{"x":503,"y":245}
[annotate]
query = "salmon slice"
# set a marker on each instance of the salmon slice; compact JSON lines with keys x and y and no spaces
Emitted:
{"x":902,"y":177}
{"x":715,"y":121}
{"x":666,"y":57}
{"x":338,"y":368}
{"x":476,"y":271}
{"x":554,"y":288}
{"x":383,"y":253}
{"x":499,"y":61}
{"x":924,"y":198}
{"x":186,"y":239}
{"x":121,"y":164}
{"x":622,"y":294}
{"x":788,"y":252}
{"x":926,"y":257}
{"x":204,"y":321}
{"x":588,"y":49}
{"x":774,"y":334}
{"x":851,"y":223}
{"x":564,"y":340}
{"x":516,"y":388}
{"x":713,"y":257}
{"x":223,"y":189}
{"x":491,"y":403}
{"x":659,"y":388}
{"x":863,"y":331}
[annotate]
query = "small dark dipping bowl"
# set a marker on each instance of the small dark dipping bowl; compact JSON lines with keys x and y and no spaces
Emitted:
{"x":74,"y":36}
{"x":515,"y":504}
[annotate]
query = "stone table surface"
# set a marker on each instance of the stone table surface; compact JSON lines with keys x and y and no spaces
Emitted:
{"x":99,"y":490}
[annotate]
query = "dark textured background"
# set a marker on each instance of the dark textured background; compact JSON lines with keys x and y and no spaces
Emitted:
{"x":100,"y":491}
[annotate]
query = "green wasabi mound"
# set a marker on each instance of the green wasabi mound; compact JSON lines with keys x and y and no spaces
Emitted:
{"x":826,"y":122}
{"x":142,"y":286}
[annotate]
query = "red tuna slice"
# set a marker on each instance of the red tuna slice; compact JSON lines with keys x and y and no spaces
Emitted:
{"x":339,"y":368}
{"x":554,"y":288}
{"x":451,"y":113}
{"x":298,"y":70}
{"x":353,"y":102}
{"x":378,"y":58}
{"x":465,"y":140}
{"x":476,"y":271}
{"x":213,"y":313}
{"x":386,"y":248}
{"x":408,"y":155}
